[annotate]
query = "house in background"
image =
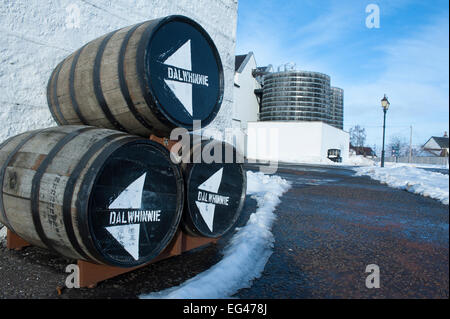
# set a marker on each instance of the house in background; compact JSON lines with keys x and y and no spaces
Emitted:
{"x":246,"y":105}
{"x":285,"y":115}
{"x":362,"y":150}
{"x":437,"y":146}
{"x":246,"y":101}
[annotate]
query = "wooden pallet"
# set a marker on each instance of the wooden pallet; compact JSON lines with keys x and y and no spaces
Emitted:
{"x":91,"y":274}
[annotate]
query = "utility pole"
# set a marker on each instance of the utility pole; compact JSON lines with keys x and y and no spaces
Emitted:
{"x":410,"y":144}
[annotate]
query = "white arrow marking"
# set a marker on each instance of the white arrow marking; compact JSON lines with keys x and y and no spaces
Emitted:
{"x":212,"y":184}
{"x":131,"y":197}
{"x":207,"y":212}
{"x":183,"y":91}
{"x":182,"y":57}
{"x":128,"y":237}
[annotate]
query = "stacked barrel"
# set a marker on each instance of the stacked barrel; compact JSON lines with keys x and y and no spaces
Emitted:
{"x":95,"y":187}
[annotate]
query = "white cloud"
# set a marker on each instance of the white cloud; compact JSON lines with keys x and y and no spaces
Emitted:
{"x":415,"y":78}
{"x":277,"y":37}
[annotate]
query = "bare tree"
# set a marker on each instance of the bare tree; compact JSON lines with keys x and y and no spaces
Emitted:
{"x":400,"y":145}
{"x":375,"y":149}
{"x":357,"y":136}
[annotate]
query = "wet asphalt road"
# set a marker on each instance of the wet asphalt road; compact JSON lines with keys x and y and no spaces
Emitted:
{"x":330,"y":226}
{"x":437,"y":170}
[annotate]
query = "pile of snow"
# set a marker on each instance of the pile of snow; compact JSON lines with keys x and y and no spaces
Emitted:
{"x":412,"y":179}
{"x":353,"y":160}
{"x":419,"y":165}
{"x":308,"y":160}
{"x":314,"y":160}
{"x":359,"y":160}
{"x":246,"y":255}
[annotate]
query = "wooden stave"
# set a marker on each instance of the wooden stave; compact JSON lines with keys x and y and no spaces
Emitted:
{"x":79,"y":85}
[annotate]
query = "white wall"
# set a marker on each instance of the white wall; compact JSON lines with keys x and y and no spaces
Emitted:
{"x":335,"y":138}
{"x":35,"y":35}
{"x":246,"y":105}
{"x":295,"y":141}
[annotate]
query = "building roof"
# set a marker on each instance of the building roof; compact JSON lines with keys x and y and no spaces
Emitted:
{"x":238,"y":59}
{"x":363,"y":150}
{"x":442,"y":142}
{"x":262,"y":70}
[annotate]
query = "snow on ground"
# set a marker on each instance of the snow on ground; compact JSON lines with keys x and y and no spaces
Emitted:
{"x":419,"y":165}
{"x":353,"y":160}
{"x":2,"y":234}
{"x":246,"y":255}
{"x":359,"y":160}
{"x":412,"y":179}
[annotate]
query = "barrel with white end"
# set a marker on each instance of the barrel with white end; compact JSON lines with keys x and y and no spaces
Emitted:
{"x":215,"y":184}
{"x":146,"y":78}
{"x":92,"y":194}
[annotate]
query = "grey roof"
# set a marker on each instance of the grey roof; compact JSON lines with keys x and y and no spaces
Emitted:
{"x":441,"y":141}
{"x":238,"y":61}
{"x":264,"y":69}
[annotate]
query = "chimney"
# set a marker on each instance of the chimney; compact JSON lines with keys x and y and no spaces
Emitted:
{"x":445,"y":134}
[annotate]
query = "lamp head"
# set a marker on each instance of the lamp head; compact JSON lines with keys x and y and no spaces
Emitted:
{"x":385,"y":103}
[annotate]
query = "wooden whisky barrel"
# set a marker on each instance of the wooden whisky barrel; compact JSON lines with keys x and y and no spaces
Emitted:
{"x":147,"y":78}
{"x":215,"y":186}
{"x":93,"y":194}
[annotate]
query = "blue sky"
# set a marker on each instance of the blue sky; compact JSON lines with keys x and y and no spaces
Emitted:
{"x":407,"y":58}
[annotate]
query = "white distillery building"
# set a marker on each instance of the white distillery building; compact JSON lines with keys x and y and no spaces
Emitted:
{"x":38,"y":34}
{"x":296,"y":136}
{"x":246,"y":106}
{"x":295,"y":142}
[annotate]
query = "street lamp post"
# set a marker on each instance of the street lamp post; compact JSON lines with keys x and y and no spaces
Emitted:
{"x":385,"y":105}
